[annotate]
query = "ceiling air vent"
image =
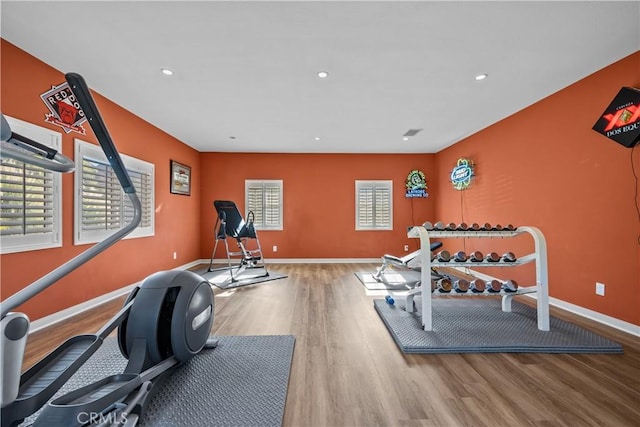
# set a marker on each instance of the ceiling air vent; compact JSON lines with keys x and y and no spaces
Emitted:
{"x":411,"y":132}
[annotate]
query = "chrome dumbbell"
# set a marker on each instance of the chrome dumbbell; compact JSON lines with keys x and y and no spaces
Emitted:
{"x":438,"y":226}
{"x":494,"y":286}
{"x":510,"y":286}
{"x":509,"y":257}
{"x":477,"y":285}
{"x":492,"y":257}
{"x":461,"y":286}
{"x":444,"y":285}
{"x":443,"y":256}
{"x":460,"y":256}
{"x":476,"y":256}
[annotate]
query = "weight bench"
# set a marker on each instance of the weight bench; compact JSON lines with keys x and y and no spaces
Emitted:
{"x":407,"y":262}
{"x":230,"y":223}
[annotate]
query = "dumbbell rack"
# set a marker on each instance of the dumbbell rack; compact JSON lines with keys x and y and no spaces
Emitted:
{"x":539,"y":257}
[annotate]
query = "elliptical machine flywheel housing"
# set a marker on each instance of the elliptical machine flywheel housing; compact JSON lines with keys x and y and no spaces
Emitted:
{"x":172,"y":312}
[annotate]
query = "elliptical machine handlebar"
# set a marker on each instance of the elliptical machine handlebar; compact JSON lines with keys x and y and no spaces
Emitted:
{"x":81,"y":91}
{"x":26,"y":150}
{"x":87,"y":104}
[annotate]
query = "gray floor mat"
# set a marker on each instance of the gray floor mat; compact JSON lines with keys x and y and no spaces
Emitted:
{"x":242,"y":382}
{"x":478,"y":325}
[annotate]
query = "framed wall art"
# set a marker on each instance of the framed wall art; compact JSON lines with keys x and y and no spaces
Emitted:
{"x":180,"y":178}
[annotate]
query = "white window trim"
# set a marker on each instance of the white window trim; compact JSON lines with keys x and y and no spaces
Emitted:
{"x":94,"y":152}
{"x":386,"y":183}
{"x":255,"y":182}
{"x":30,"y":242}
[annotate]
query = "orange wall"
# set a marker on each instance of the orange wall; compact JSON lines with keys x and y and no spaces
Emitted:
{"x":319,"y":200}
{"x":545,"y":167}
{"x":532,"y":169}
{"x":177,"y":224}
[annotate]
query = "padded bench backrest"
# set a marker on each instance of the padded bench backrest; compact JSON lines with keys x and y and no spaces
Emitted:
{"x":236,"y":226}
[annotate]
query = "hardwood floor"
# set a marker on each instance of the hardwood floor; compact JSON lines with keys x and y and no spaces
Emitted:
{"x":347,"y":370}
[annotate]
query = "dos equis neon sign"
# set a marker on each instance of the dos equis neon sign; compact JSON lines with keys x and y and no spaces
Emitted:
{"x":620,"y":122}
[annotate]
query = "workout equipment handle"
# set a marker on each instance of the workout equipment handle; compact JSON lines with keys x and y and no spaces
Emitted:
{"x":81,"y":91}
{"x":50,"y":152}
{"x":45,"y":157}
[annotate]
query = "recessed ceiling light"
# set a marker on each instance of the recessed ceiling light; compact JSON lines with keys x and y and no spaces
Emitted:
{"x":166,"y":71}
{"x":481,"y":76}
{"x":323,"y":74}
{"x":317,"y":138}
{"x":406,"y":138}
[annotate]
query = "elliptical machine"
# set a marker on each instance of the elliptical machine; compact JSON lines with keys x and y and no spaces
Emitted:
{"x":165,"y":321}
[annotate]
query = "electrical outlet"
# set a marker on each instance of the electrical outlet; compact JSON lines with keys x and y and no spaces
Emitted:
{"x":406,"y":248}
{"x":599,"y":288}
{"x":275,"y":248}
{"x":175,"y":255}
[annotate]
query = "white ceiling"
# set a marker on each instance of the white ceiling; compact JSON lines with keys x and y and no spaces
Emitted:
{"x":249,"y":69}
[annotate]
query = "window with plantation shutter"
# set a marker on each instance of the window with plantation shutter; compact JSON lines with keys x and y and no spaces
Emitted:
{"x":374,"y":205}
{"x":30,"y":197}
{"x":264,"y":199}
{"x":101,"y":206}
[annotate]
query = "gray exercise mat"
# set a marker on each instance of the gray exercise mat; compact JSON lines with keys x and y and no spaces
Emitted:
{"x":242,"y":382}
{"x":478,"y":325}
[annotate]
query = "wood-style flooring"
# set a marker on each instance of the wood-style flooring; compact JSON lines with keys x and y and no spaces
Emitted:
{"x":348,"y":371}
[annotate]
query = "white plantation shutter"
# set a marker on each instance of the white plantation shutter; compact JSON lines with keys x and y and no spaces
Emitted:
{"x":364,"y":209}
{"x":264,"y":198}
{"x":272,"y":205}
{"x":30,"y":197}
{"x":100,"y":196}
{"x":253,"y":194}
{"x":26,"y":199}
{"x":382,"y":207}
{"x":143,"y":182}
{"x":101,"y":205}
{"x":374,"y":207}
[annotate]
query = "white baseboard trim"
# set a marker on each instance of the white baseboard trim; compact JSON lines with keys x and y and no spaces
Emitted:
{"x":67,"y":313}
{"x":305,"y":261}
{"x":621,"y":325}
